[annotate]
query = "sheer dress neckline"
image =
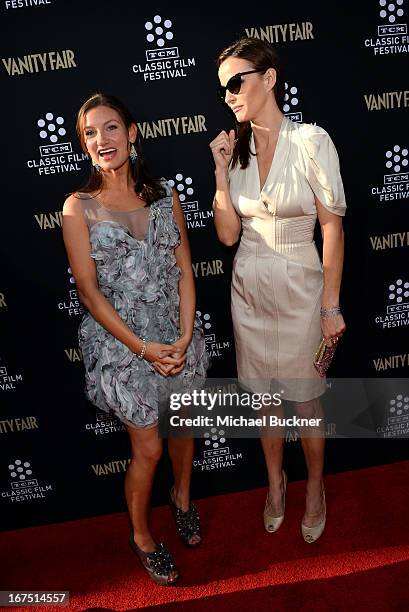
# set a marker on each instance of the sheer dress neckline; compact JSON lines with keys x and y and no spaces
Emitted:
{"x":137,"y":223}
{"x":118,"y":211}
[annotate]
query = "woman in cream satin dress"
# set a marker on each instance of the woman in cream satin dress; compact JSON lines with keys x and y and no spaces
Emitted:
{"x":271,"y":186}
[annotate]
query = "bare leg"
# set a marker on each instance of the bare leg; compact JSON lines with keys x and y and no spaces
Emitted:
{"x":146,"y":452}
{"x":272,"y":442}
{"x":313,"y":444}
{"x":181,"y":454}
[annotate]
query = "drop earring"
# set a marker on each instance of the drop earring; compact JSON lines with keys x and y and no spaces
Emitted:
{"x":133,"y":154}
{"x":96,"y":166}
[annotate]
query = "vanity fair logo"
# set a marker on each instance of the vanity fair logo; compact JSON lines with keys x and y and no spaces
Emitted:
{"x":16,"y":4}
{"x":396,"y":178}
{"x":23,"y":487}
{"x":392,"y":33}
{"x":283,"y":32}
{"x":397,"y":310}
{"x":391,"y":362}
{"x":104,"y":424}
{"x":73,"y":355}
{"x":215,"y":346}
{"x":39,"y":62}
{"x":194,"y":217}
{"x":163,"y":60}
{"x":49,"y":220}
{"x":291,"y":102}
{"x":56,"y":154}
{"x":396,"y":422}
{"x":292,"y":435}
{"x":17,"y":424}
{"x":389,"y":241}
{"x":174,"y":126}
{"x":116,"y":466}
{"x":71,"y":306}
{"x":211,"y":267}
{"x":388,"y":100}
{"x":9,"y":382}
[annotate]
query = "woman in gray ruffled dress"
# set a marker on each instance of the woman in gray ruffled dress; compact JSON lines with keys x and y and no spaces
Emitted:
{"x":128,"y":249}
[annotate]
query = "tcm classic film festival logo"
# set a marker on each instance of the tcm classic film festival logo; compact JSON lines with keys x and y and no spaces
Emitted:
{"x":56,"y":153}
{"x":291,"y":102}
{"x":16,"y":4}
{"x":392,"y":32}
{"x":71,"y":305}
{"x":163,"y":59}
{"x":215,"y":346}
{"x":194,"y":216}
{"x":397,"y":309}
{"x":396,"y":422}
{"x":396,"y":178}
{"x":23,"y":485}
{"x":9,"y":382}
{"x":104,"y":424}
{"x":217,"y":454}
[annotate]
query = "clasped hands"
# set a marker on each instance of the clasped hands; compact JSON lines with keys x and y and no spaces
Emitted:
{"x":167,"y":359}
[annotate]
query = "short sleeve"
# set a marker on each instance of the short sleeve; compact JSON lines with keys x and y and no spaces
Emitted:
{"x":322,"y":168}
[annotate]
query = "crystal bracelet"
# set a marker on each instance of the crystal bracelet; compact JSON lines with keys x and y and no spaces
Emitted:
{"x":143,"y":349}
{"x":330,"y":312}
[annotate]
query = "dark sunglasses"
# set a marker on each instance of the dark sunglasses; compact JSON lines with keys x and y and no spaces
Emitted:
{"x":234,"y":83}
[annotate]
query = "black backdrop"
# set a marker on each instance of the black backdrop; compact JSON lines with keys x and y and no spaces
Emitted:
{"x":60,"y":459}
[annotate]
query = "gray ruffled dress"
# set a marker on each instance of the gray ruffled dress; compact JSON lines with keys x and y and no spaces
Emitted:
{"x":134,"y":253}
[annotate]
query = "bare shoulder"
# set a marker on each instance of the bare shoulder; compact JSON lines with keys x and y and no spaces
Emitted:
{"x":73,"y":214}
{"x":73,"y":205}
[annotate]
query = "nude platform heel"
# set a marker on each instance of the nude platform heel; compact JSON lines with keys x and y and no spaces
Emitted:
{"x":311,"y":534}
{"x":272,"y":523}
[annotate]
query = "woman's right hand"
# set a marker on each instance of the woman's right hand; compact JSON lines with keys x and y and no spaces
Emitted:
{"x":222,"y":149}
{"x":163,"y":357}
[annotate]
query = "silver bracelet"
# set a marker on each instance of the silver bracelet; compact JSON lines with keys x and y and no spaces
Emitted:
{"x":330,"y":312}
{"x":143,"y":349}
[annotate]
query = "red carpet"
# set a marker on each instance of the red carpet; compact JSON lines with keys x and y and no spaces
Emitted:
{"x":361,"y":562}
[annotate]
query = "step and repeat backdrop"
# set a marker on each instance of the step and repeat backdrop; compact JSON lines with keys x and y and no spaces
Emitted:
{"x":345,"y":69}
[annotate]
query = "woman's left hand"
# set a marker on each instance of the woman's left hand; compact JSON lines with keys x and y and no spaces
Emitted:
{"x":332,"y":327}
{"x":180,"y":354}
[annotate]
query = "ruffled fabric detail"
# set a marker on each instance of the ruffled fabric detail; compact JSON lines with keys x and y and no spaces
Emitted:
{"x":140,"y":279}
{"x":322,"y":168}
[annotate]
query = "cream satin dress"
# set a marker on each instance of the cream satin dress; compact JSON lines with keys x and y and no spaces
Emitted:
{"x":277,"y":273}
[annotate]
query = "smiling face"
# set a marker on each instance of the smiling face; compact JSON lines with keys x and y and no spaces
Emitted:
{"x":255,"y":91}
{"x":106,"y":137}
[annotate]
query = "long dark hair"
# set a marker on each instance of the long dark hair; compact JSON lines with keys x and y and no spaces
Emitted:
{"x":262,"y":56}
{"x":146,"y":187}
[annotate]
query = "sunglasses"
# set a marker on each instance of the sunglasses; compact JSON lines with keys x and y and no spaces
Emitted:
{"x":234,"y":83}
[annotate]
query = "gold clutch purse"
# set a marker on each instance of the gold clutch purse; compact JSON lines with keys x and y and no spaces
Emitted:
{"x":323,"y":357}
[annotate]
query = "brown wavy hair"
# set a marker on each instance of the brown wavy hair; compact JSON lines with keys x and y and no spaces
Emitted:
{"x":146,"y":187}
{"x":262,"y":56}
